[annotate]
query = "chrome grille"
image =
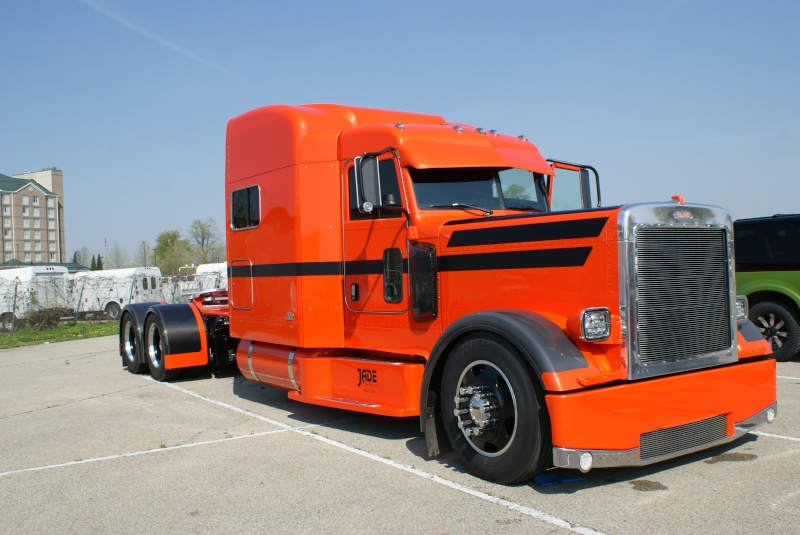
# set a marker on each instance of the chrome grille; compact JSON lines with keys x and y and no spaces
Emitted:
{"x":682,"y":438}
{"x":682,"y":293}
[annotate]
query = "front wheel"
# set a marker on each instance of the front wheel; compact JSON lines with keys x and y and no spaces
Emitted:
{"x":154,"y":350}
{"x":494,"y":411}
{"x":780,"y":326}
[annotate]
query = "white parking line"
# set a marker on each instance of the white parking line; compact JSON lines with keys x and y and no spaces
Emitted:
{"x":772,"y":435}
{"x":523,"y":509}
{"x":785,"y":377}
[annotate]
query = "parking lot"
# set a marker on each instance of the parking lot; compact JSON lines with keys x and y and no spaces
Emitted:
{"x":87,"y":447}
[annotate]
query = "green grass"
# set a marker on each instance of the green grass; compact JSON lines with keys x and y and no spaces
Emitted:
{"x":61,"y":333}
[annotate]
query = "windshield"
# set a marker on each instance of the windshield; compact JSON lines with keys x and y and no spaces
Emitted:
{"x":483,"y":188}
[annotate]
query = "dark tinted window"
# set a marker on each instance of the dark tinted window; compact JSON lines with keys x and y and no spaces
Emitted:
{"x":768,"y":242}
{"x":390,"y":192}
{"x":245,"y":209}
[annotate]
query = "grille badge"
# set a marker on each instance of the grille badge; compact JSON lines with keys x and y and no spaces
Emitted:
{"x":682,"y":215}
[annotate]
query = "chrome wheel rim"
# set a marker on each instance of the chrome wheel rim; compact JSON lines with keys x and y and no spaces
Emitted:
{"x":486,"y":408}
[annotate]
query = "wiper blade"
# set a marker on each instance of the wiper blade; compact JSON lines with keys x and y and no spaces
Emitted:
{"x":462,"y":206}
{"x":523,"y":208}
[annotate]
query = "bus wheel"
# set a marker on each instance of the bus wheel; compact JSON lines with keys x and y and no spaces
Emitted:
{"x":780,"y":326}
{"x":494,"y":412}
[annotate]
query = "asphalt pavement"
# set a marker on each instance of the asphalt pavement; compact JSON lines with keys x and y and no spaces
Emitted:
{"x":87,"y":447}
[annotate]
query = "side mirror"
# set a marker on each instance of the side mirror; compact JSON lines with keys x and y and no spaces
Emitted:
{"x":368,"y":185}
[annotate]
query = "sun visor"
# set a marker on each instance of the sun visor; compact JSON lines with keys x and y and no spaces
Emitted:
{"x":424,"y":154}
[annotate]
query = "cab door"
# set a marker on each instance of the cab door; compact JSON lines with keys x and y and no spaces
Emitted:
{"x":375,"y":247}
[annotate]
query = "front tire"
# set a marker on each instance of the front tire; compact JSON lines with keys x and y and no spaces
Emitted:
{"x":494,"y":411}
{"x":780,"y":326}
{"x":154,"y":350}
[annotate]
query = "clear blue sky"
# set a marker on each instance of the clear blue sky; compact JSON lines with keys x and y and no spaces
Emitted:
{"x":130,"y":98}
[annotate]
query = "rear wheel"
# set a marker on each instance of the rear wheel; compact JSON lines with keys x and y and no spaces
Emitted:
{"x":780,"y":326}
{"x":131,"y":347}
{"x":112,"y":311}
{"x":494,"y":412}
{"x":7,"y":322}
{"x":154,"y":350}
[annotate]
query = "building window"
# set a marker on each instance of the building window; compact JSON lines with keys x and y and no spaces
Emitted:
{"x":51,"y":224}
{"x":51,"y":201}
{"x":36,"y":200}
{"x":35,"y":212}
{"x":6,"y":210}
{"x":8,"y":257}
{"x":26,"y":234}
{"x":6,"y":199}
{"x":35,"y":223}
{"x":26,"y":245}
{"x":26,"y":223}
{"x":51,"y":234}
{"x":51,"y":212}
{"x":24,"y":210}
{"x":37,"y":246}
{"x":7,"y":221}
{"x":52,"y":246}
{"x":52,"y":257}
{"x":6,"y":232}
{"x":8,"y":246}
{"x":37,"y":234}
{"x":24,"y":200}
{"x":27,"y":257}
{"x":38,"y":257}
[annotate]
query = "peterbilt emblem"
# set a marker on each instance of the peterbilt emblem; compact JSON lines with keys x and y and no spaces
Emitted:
{"x":682,"y":215}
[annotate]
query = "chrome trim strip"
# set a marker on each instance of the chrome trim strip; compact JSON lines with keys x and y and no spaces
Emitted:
{"x":250,"y":362}
{"x":570,"y":458}
{"x":291,"y":373}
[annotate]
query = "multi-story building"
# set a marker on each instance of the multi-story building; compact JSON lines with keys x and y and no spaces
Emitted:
{"x":32,"y":218}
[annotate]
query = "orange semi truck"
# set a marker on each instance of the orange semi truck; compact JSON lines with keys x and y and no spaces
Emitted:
{"x":402,"y":265}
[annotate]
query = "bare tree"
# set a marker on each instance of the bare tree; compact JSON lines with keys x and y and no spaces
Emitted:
{"x":143,"y":255}
{"x":204,"y":233}
{"x":117,"y":257}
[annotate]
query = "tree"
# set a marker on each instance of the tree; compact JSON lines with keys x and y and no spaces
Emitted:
{"x":171,"y":252}
{"x":143,"y":255}
{"x":117,"y":257}
{"x":204,"y":233}
{"x":82,"y":256}
{"x":93,"y":266}
{"x":99,"y":263}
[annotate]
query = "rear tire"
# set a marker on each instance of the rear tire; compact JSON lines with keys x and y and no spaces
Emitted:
{"x":780,"y":325}
{"x":7,"y":322}
{"x":494,"y":411}
{"x":154,"y":350}
{"x":112,"y":311}
{"x":131,"y":346}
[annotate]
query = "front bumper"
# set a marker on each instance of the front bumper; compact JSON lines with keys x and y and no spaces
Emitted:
{"x":570,"y":458}
{"x":643,"y":422}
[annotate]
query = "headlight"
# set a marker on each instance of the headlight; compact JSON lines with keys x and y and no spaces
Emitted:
{"x":742,"y":308}
{"x":595,"y":324}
